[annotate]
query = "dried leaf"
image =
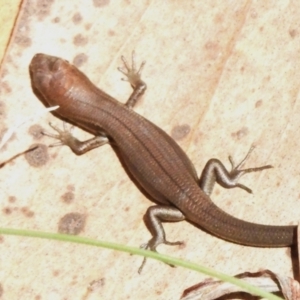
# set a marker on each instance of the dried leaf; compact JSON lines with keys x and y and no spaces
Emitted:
{"x":265,"y":279}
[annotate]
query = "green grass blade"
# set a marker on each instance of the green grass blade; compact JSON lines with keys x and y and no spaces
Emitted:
{"x":137,"y":251}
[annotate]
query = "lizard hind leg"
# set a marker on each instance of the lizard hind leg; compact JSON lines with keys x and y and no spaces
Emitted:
{"x":214,"y":171}
{"x":154,"y":217}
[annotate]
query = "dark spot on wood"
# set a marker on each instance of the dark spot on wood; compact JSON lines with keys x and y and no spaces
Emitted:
{"x":23,"y":41}
{"x":80,"y":59}
{"x":55,"y":273}
{"x":5,"y":72}
{"x":7,"y":210}
{"x":240,"y":133}
{"x":27,"y":212}
{"x":24,"y":24}
{"x":53,"y":155}
{"x":258,"y":103}
{"x":127,"y":208}
{"x":229,"y":203}
{"x":38,"y":297}
{"x":43,"y":8}
{"x":100,"y":3}
{"x":212,"y":49}
{"x":181,"y":131}
{"x":1,"y":239}
{"x":56,"y":20}
{"x":37,"y":157}
{"x":12,"y":199}
{"x":88,"y":26}
{"x":77,"y":18}
{"x":210,"y":45}
{"x":218,"y":18}
{"x":5,"y":87}
{"x":36,"y":131}
{"x":80,"y":40}
{"x":71,"y":187}
{"x":73,"y":282}
{"x":2,"y":109}
{"x":68,"y":197}
{"x":293,"y":33}
{"x":1,"y":290}
{"x":96,"y":284}
{"x":111,"y":32}
{"x":72,"y":223}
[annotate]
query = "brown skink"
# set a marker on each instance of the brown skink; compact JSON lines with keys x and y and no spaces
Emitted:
{"x":150,"y":155}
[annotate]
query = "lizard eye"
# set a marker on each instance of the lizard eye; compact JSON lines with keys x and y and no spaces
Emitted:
{"x":56,"y":64}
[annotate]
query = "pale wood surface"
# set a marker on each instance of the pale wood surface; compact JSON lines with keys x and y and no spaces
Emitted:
{"x":221,"y":76}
